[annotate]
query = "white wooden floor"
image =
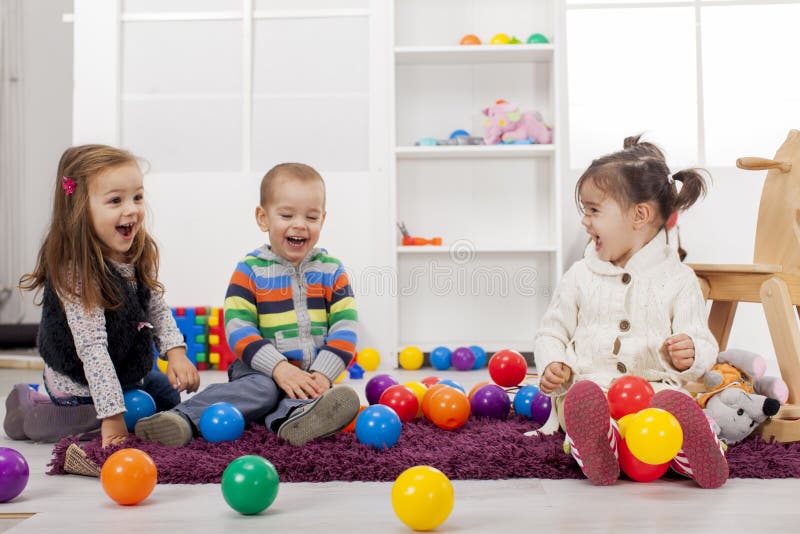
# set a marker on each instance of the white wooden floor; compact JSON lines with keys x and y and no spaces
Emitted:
{"x":78,"y":504}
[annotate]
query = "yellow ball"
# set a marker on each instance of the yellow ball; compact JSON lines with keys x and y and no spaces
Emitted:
{"x":162,"y":365}
{"x":340,"y":377}
{"x":411,"y":358}
{"x":368,"y":359}
{"x":623,"y":423}
{"x":422,"y":497}
{"x":419,"y":390}
{"x":500,"y":38}
{"x":654,"y":436}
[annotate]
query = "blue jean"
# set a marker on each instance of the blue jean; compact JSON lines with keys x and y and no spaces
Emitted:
{"x":155,"y":383}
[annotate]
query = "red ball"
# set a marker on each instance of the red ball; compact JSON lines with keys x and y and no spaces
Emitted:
{"x":629,"y":394}
{"x":636,"y":469}
{"x":430,"y":380}
{"x":402,"y":400}
{"x":507,"y":368}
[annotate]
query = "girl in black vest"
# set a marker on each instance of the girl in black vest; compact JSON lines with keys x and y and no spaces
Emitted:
{"x":103,"y":312}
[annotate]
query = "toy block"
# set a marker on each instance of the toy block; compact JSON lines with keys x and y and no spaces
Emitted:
{"x":213,"y":358}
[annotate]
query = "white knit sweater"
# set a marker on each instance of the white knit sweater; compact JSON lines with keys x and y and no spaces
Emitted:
{"x":593,"y":307}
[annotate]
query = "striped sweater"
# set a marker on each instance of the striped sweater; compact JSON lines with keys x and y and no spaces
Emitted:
{"x":307,"y":315}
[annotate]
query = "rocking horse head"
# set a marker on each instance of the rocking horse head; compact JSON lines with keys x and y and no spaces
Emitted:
{"x":778,"y":230}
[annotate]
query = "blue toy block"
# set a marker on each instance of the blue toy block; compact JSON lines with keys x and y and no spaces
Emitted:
{"x":356,"y":371}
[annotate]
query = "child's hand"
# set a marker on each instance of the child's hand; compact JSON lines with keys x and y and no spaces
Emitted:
{"x":322,"y":380}
{"x":297,"y":384}
{"x":554,"y":375}
{"x":680,"y":349}
{"x":113,"y":430}
{"x":181,"y":373}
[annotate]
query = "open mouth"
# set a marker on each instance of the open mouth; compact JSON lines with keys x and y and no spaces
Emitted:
{"x":296,"y":241}
{"x":125,"y":229}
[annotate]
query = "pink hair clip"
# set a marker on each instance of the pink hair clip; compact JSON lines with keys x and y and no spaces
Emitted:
{"x":67,"y":185}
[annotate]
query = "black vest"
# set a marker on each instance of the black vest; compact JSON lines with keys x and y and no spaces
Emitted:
{"x":130,"y":344}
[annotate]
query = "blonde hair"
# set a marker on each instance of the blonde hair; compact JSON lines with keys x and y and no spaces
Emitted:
{"x":299,"y":171}
{"x":71,"y":258}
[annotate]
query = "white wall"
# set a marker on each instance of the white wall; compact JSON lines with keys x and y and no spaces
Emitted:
{"x":46,"y":82}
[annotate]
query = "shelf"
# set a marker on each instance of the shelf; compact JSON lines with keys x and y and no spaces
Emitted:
{"x":437,"y":55}
{"x":461,"y":251}
{"x":474,"y":151}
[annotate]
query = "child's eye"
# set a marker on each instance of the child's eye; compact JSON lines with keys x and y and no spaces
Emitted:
{"x":138,"y":198}
{"x":115,"y":200}
{"x":286,"y":216}
{"x":312,"y":217}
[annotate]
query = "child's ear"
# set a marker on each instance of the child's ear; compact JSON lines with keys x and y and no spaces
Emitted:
{"x":261,"y":219}
{"x":643,"y":214}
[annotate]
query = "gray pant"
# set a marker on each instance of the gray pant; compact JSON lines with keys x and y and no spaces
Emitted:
{"x":256,"y":395}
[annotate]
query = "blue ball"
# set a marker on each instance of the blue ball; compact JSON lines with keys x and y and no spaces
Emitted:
{"x":138,"y":404}
{"x":480,"y":356}
{"x":378,"y":426}
{"x":440,"y":358}
{"x":221,"y":421}
{"x":459,"y":133}
{"x":523,"y":399}
{"x":453,"y":384}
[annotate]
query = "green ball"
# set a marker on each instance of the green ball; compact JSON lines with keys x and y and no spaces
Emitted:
{"x":250,"y":484}
{"x":537,"y":38}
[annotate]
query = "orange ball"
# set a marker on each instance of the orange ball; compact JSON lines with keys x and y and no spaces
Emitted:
{"x":128,"y":476}
{"x":449,"y":408}
{"x":426,"y":400}
{"x":470,"y":39}
{"x":352,"y":426}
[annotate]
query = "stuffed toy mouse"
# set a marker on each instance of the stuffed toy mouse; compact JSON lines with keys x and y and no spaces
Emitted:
{"x":739,"y":397}
{"x":505,"y":123}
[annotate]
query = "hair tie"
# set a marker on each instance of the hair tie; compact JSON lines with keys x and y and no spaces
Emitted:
{"x":670,"y":179}
{"x":67,"y":185}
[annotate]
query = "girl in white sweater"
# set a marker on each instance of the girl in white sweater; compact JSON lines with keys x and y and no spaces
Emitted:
{"x":629,"y":307}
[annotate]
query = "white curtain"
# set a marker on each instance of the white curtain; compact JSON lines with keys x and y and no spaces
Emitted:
{"x":11,"y":157}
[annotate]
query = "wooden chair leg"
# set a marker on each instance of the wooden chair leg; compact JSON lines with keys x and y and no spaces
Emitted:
{"x":784,"y":332}
{"x":720,"y":320}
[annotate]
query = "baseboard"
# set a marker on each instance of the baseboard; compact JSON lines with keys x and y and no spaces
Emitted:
{"x":18,"y":336}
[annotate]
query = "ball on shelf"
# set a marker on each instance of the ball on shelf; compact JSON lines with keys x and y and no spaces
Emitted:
{"x":128,"y":476}
{"x":440,"y":358}
{"x":138,"y":404}
{"x":470,"y":39}
{"x":500,"y":39}
{"x":458,"y":133}
{"x":507,"y":368}
{"x":250,"y":484}
{"x":537,"y":38}
{"x":376,"y":386}
{"x":14,"y":473}
{"x":480,"y":356}
{"x":463,"y":359}
{"x":378,"y":426}
{"x":411,"y":358}
{"x":422,"y":497}
{"x":491,"y":401}
{"x":368,"y":358}
{"x":654,"y":436}
{"x":221,"y":421}
{"x":402,"y":400}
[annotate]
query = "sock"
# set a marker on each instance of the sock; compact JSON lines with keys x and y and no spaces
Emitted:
{"x":48,"y":423}
{"x":18,"y":404}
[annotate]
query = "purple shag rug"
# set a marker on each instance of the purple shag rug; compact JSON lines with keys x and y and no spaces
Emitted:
{"x":483,"y":449}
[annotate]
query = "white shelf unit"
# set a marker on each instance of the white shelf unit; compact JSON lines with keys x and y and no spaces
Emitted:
{"x":497,"y":208}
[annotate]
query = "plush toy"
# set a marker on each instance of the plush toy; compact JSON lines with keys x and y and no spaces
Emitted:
{"x":739,"y":397}
{"x":505,"y":123}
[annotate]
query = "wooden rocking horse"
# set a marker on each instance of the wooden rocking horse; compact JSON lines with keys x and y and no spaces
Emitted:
{"x":773,"y":279}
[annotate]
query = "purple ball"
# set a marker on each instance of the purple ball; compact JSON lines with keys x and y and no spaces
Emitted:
{"x":491,"y":401}
{"x":376,"y":386}
{"x":463,"y":359}
{"x":540,"y":408}
{"x":13,"y":473}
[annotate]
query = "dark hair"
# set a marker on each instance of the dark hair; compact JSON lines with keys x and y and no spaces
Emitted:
{"x":298,"y":171}
{"x":71,"y":258}
{"x":639,"y":173}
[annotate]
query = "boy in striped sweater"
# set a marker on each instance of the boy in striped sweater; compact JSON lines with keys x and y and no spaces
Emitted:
{"x":291,"y":319}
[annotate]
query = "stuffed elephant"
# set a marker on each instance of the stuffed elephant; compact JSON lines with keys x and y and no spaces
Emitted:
{"x":505,"y":123}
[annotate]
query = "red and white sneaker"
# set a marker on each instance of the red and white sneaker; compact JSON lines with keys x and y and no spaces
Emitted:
{"x":591,"y":434}
{"x":702,"y":457}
